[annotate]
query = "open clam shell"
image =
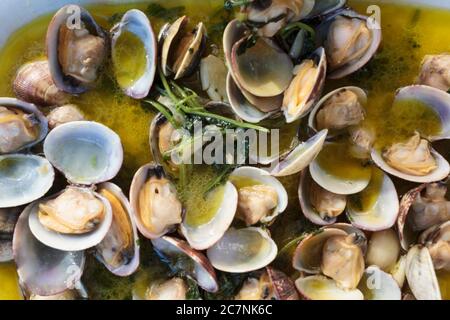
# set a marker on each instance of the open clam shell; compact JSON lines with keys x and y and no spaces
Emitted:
{"x":261,"y":176}
{"x":322,"y":288}
{"x":23,"y":179}
{"x":441,"y":172}
{"x":70,"y":242}
{"x":354,"y":65}
{"x":299,"y":157}
{"x":243,"y":250}
{"x":436,"y":99}
{"x":202,"y":271}
{"x":136,"y":22}
{"x":360,"y":93}
{"x":121,"y":249}
{"x":35,"y":116}
{"x":310,"y":75}
{"x":85,"y":152}
{"x":347,"y":185}
{"x":181,"y":51}
{"x":64,"y":16}
{"x":141,"y":177}
{"x":308,"y":254}
{"x":420,"y":274}
{"x":304,"y":196}
{"x":379,"y":285}
{"x":350,"y":229}
{"x":383,"y":207}
{"x":318,"y":8}
{"x":42,"y":270}
{"x":283,"y":286}
{"x":206,"y":235}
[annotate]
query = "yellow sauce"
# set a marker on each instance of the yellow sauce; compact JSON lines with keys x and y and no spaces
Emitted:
{"x":200,"y":207}
{"x":444,"y":284}
{"x":367,"y":199}
{"x":336,"y":160}
{"x":9,"y":285}
{"x":243,"y":182}
{"x":129,"y":59}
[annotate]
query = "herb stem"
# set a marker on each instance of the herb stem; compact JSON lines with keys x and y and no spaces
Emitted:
{"x":235,"y":123}
{"x":158,"y":106}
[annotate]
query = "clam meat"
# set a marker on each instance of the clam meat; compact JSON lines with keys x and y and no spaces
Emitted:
{"x":435,"y":71}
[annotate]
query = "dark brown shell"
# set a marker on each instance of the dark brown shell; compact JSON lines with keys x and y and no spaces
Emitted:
{"x":34,"y":84}
{"x":283,"y":286}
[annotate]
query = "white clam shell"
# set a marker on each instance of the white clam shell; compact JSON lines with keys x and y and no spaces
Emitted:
{"x":360,"y":93}
{"x":136,"y":22}
{"x":379,"y":285}
{"x":205,"y":236}
{"x":300,"y":157}
{"x":440,"y":173}
{"x":421,"y":275}
{"x":322,"y":288}
{"x":28,"y":108}
{"x":69,"y":242}
{"x":436,"y":99}
{"x":232,"y":254}
{"x":131,"y":266}
{"x":23,"y":179}
{"x":85,"y":152}
{"x":383,"y":214}
{"x":264,"y":178}
{"x":42,"y":270}
{"x":203,"y":272}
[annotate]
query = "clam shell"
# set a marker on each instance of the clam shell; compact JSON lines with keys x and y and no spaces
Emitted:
{"x":205,"y":236}
{"x":320,"y":60}
{"x":379,"y":285}
{"x":23,"y":179}
{"x":360,"y":93}
{"x":42,"y":270}
{"x":203,"y":272}
{"x":308,"y":254}
{"x":85,"y":152}
{"x":8,"y":220}
{"x":283,"y":286}
{"x":440,"y":173}
{"x":420,"y":274}
{"x":336,"y":184}
{"x":69,"y":242}
{"x":436,"y":99}
{"x":34,"y":84}
{"x":383,"y":214}
{"x":323,"y":7}
{"x":299,"y":157}
{"x":28,"y":108}
{"x":136,"y":21}
{"x":348,"y":69}
{"x":322,"y":288}
{"x":130,"y":266}
{"x":264,"y":178}
{"x":350,"y":229}
{"x":304,"y":197}
{"x":139,"y":179}
{"x":63,"y":82}
{"x":230,"y":254}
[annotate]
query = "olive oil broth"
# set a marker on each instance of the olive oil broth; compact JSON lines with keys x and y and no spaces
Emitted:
{"x":409,"y":33}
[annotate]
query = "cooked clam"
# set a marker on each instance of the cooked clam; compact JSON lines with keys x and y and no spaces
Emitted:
{"x":261,"y":198}
{"x":435,"y":71}
{"x":155,"y":202}
{"x":213,"y":75}
{"x":379,"y":285}
{"x":306,"y":87}
{"x":181,"y":50}
{"x":8,"y":220}
{"x":173,"y":289}
{"x":34,"y":84}
{"x":271,"y":284}
{"x":198,"y":266}
{"x":64,"y":114}
{"x":23,"y":179}
{"x":243,"y":250}
{"x":134,"y":54}
{"x":437,"y":240}
{"x":119,"y":250}
{"x":349,"y":40}
{"x":339,"y":110}
{"x":43,"y":270}
{"x":383,"y":249}
{"x":75,"y":219}
{"x":75,"y":52}
{"x":22,"y":125}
